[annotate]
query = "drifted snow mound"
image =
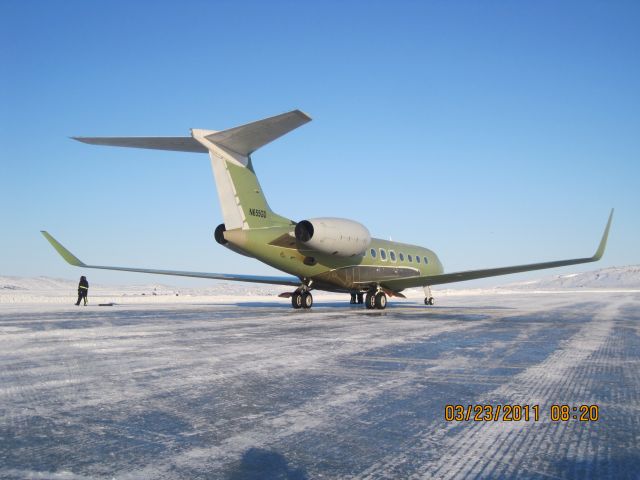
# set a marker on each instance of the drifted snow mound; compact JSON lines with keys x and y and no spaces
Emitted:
{"x":612,"y":277}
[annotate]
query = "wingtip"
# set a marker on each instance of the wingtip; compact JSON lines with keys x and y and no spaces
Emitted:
{"x":605,"y":236}
{"x":304,"y":114}
{"x":69,"y":257}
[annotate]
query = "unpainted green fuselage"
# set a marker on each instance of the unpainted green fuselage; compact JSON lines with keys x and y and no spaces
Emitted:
{"x":277,"y":247}
{"x":268,"y":237}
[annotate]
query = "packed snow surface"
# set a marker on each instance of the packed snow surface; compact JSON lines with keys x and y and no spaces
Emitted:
{"x":242,"y":386}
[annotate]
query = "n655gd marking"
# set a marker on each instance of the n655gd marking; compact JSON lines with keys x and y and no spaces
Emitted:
{"x":256,"y":212}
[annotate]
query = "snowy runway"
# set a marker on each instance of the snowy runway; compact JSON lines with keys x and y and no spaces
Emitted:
{"x":257,"y":390}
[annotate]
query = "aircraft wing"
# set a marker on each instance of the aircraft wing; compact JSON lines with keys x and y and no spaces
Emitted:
{"x":73,"y":260}
{"x":429,"y":280}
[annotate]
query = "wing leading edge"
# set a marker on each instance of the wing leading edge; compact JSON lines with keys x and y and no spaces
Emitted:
{"x":76,"y":262}
{"x":493,"y":272}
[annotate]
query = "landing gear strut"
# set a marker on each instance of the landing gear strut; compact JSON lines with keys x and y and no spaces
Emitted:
{"x":376,"y":300}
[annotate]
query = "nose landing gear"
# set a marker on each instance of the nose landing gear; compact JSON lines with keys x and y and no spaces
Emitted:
{"x":428,"y":299}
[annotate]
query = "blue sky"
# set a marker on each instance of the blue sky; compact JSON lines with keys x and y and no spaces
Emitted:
{"x":494,"y":133}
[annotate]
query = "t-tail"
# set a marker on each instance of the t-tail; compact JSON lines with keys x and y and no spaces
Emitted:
{"x":242,"y":200}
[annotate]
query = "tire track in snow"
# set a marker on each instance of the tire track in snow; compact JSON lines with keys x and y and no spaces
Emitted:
{"x":490,"y":449}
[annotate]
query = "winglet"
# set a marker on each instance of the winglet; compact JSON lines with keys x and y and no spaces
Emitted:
{"x":603,"y":241}
{"x":64,"y":253}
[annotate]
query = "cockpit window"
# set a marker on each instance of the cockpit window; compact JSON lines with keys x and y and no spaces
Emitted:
{"x":383,"y":254}
{"x":401,"y":255}
{"x":426,"y":260}
{"x":417,"y":259}
{"x":410,"y":258}
{"x":373,"y":253}
{"x":392,"y":255}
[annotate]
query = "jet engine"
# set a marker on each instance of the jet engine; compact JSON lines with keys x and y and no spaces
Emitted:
{"x":334,"y":236}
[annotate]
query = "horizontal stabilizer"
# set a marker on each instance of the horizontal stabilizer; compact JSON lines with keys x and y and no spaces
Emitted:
{"x":246,"y":139}
{"x":175,"y":144}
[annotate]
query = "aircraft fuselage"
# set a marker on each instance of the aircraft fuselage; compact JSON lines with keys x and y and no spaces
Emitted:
{"x":381,"y":260}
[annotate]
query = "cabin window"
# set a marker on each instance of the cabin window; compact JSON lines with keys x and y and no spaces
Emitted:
{"x":417,"y":259}
{"x":392,"y":255}
{"x":401,"y":255}
{"x":410,"y":258}
{"x":383,"y":254}
{"x":426,"y":260}
{"x":373,"y":253}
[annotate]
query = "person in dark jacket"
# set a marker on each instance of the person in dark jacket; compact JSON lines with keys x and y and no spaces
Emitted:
{"x":83,"y":290}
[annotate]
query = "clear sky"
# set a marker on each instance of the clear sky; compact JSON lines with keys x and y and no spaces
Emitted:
{"x":494,"y":133}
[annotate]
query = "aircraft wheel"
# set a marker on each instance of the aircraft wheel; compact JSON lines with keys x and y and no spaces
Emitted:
{"x":381,"y":301}
{"x":431,"y":300}
{"x":296,"y":300}
{"x":307,"y":300}
{"x":370,"y":300}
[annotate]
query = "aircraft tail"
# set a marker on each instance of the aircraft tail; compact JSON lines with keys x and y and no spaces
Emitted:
{"x":241,"y":199}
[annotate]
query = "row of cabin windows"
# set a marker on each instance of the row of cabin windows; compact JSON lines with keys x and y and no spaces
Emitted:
{"x":392,"y":256}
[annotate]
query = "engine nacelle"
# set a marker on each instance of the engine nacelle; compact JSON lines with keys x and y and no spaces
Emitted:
{"x":335,"y":236}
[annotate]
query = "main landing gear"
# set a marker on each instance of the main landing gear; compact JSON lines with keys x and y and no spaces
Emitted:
{"x":302,"y":299}
{"x":376,"y":300}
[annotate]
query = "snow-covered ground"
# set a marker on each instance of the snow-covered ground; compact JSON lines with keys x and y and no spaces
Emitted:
{"x":242,"y":386}
{"x":37,"y":290}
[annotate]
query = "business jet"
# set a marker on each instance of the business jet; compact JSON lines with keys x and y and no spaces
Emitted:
{"x":331,"y":254}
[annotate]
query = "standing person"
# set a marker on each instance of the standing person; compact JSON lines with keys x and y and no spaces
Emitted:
{"x":83,"y":290}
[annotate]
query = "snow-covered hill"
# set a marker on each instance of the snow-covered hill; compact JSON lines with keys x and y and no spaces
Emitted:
{"x":608,"y":278}
{"x":58,"y":285}
{"x":55,"y":290}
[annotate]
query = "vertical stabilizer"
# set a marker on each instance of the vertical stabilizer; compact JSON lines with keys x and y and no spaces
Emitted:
{"x":241,"y":198}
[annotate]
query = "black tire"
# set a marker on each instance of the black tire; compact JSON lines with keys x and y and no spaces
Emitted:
{"x":381,"y":301}
{"x":370,"y":300}
{"x":426,"y":301}
{"x":307,"y":300}
{"x":296,"y":300}
{"x":432,"y":301}
{"x":360,"y":298}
